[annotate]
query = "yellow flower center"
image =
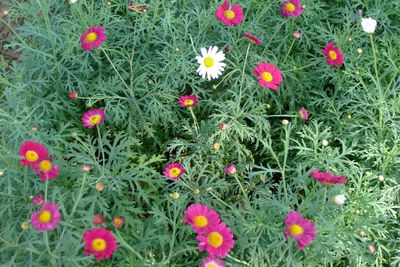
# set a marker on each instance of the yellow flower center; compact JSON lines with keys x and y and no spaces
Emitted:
{"x":266,"y":76}
{"x":99,"y":244}
{"x":229,"y":14}
{"x":332,"y":54}
{"x":174,"y":172}
{"x":215,"y":239}
{"x":188,"y":102}
{"x":211,"y":265}
{"x":91,"y":37}
{"x":200,"y":221}
{"x":296,"y":229}
{"x":44,"y":216}
{"x":327,"y":184}
{"x":117,"y":221}
{"x":31,"y":155}
{"x":45,"y":165}
{"x":208,"y":62}
{"x":290,"y":7}
{"x":95,"y":119}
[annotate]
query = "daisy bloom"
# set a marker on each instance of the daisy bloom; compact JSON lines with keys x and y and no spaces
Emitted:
{"x":118,"y":221}
{"x":269,"y":76}
{"x":327,"y":178}
{"x":231,"y":169}
{"x":211,"y":64}
{"x":229,"y":15}
{"x":98,"y":219}
{"x":93,"y":37}
{"x":188,"y":101}
{"x":217,"y":241}
{"x":304,"y":113}
{"x":100,"y":242}
{"x":291,"y":8}
{"x":31,"y":153}
{"x":252,"y":38}
{"x":93,"y":117}
{"x":300,"y":229}
{"x":368,"y":25}
{"x":173,"y":171}
{"x":211,"y":262}
{"x":38,"y":200}
{"x":46,"y":169}
{"x":47,"y":218}
{"x":201,"y":218}
{"x":333,"y":55}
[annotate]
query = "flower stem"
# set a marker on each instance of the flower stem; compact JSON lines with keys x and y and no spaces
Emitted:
{"x":102,"y":150}
{"x":377,"y":80}
{"x":45,"y":190}
{"x":196,"y":124}
{"x":241,"y":188}
{"x":288,"y":52}
{"x":79,"y":195}
{"x":112,"y":64}
{"x":241,"y":82}
{"x":237,"y":260}
{"x":126,"y":245}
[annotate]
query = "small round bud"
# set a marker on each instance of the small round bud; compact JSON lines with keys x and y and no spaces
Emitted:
{"x":196,"y":191}
{"x":223,"y":126}
{"x":209,"y":189}
{"x":349,"y":116}
{"x":339,"y":199}
{"x":1,"y":173}
{"x":285,"y":122}
{"x":231,"y":169}
{"x":5,"y":12}
{"x":85,"y":168}
{"x":31,"y":197}
{"x":325,"y":142}
{"x":303,"y":6}
{"x":362,"y":233}
{"x":372,"y":248}
{"x":177,"y":49}
{"x":350,"y":39}
{"x":381,"y":178}
{"x":174,"y":195}
{"x":214,"y":87}
{"x":25,"y":225}
{"x":150,"y":82}
{"x":367,"y":173}
{"x":217,"y":146}
{"x":34,"y":128}
{"x":357,"y":72}
{"x":359,"y":50}
{"x":89,"y":105}
{"x":100,"y":187}
{"x":297,"y":34}
{"x":268,"y":106}
{"x":73,"y":95}
{"x":357,"y":211}
{"x":74,"y":135}
{"x":98,"y":219}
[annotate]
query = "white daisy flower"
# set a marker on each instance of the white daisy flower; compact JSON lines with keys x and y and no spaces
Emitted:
{"x":368,"y":25}
{"x":211,"y":64}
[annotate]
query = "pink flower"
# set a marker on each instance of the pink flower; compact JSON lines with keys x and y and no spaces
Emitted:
{"x":212,"y":262}
{"x":31,"y":153}
{"x":223,"y":126}
{"x":217,"y":241}
{"x":38,"y":200}
{"x":301,"y":230}
{"x":231,"y":169}
{"x":93,"y":37}
{"x":118,"y":221}
{"x":372,"y":248}
{"x":201,"y":218}
{"x":173,"y":171}
{"x":269,"y":76}
{"x":297,"y":34}
{"x":252,"y":38}
{"x":327,"y":178}
{"x":100,"y":242}
{"x":47,"y":218}
{"x":73,"y":95}
{"x":85,"y":168}
{"x":229,"y":16}
{"x":98,"y":219}
{"x":46,"y":169}
{"x":333,"y":55}
{"x":93,"y":117}
{"x":304,"y":113}
{"x":187,"y":101}
{"x":291,"y":8}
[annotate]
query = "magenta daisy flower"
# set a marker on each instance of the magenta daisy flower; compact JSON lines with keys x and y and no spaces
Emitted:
{"x":38,"y":200}
{"x":231,"y":169}
{"x":173,"y":171}
{"x":217,"y":241}
{"x":301,"y":230}
{"x":93,"y":37}
{"x":31,"y":153}
{"x":47,"y":218}
{"x":118,"y":221}
{"x":327,"y":178}
{"x":269,"y":76}
{"x":46,"y":170}
{"x":201,"y":218}
{"x":229,"y":15}
{"x":100,"y":242}
{"x":291,"y":8}
{"x":93,"y":117}
{"x":212,"y":262}
{"x":252,"y":38}
{"x":333,"y":55}
{"x":304,"y":113}
{"x":187,"y":101}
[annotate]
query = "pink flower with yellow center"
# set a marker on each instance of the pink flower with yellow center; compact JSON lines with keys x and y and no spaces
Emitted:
{"x":201,"y":218}
{"x":217,"y":241}
{"x":38,"y":200}
{"x":118,"y":221}
{"x":304,"y":113}
{"x":93,"y":117}
{"x":252,"y":38}
{"x":47,"y":218}
{"x":46,"y":169}
{"x":173,"y":171}
{"x":300,"y":229}
{"x":333,"y":55}
{"x":327,"y":178}
{"x":269,"y":76}
{"x":188,"y":101}
{"x":229,"y":15}
{"x":212,"y":262}
{"x":93,"y":37}
{"x":31,"y":153}
{"x":291,"y":8}
{"x":99,"y":242}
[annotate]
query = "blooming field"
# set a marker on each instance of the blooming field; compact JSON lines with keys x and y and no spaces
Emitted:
{"x":200,"y":133}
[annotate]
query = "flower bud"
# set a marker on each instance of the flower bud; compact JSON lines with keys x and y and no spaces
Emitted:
{"x":223,"y":126}
{"x":85,"y":168}
{"x":100,"y":187}
{"x":325,"y":142}
{"x":359,"y":50}
{"x":98,"y":219}
{"x":217,"y":146}
{"x":118,"y":221}
{"x":1,"y":173}
{"x":381,"y":178}
{"x":231,"y":169}
{"x":196,"y":191}
{"x":339,"y":199}
{"x":174,"y":195}
{"x":372,"y":248}
{"x":285,"y":122}
{"x":73,"y":95}
{"x":362,"y":233}
{"x":297,"y":34}
{"x":209,"y":189}
{"x":25,"y":225}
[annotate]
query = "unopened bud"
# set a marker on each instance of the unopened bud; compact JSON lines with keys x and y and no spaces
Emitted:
{"x":359,"y":50}
{"x":25,"y":225}
{"x":100,"y":187}
{"x":196,"y":191}
{"x":381,"y":178}
{"x":285,"y":122}
{"x":217,"y":146}
{"x":325,"y":142}
{"x":174,"y":195}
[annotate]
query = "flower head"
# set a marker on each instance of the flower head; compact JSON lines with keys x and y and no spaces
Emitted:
{"x":368,"y":25}
{"x":201,"y":218}
{"x":46,"y":169}
{"x":100,"y":242}
{"x":327,"y":178}
{"x":118,"y":221}
{"x":291,"y":8}
{"x":297,"y":34}
{"x":252,"y":38}
{"x":211,"y":63}
{"x":231,"y":169}
{"x":217,"y":241}
{"x":173,"y":171}
{"x":269,"y":76}
{"x":31,"y":153}
{"x":333,"y":55}
{"x":93,"y":37}
{"x":187,"y":101}
{"x":300,"y":229}
{"x":38,"y":200}
{"x":212,"y":262}
{"x":47,"y":218}
{"x":339,"y":199}
{"x":304,"y":113}
{"x":98,"y":219}
{"x":229,"y":15}
{"x":93,"y":117}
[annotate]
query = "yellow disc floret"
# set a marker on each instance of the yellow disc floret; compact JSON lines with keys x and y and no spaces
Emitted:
{"x":200,"y":221}
{"x":296,"y":229}
{"x":290,"y":7}
{"x":215,"y":239}
{"x":95,"y":119}
{"x":31,"y":155}
{"x":91,"y":37}
{"x":44,"y":216}
{"x":332,"y":54}
{"x":229,"y":14}
{"x":99,"y":244}
{"x":208,"y":62}
{"x":267,"y":76}
{"x":45,"y":165}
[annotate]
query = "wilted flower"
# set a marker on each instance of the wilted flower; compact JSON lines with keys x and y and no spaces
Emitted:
{"x":252,"y":38}
{"x":100,"y":187}
{"x":304,"y":113}
{"x":118,"y":221}
{"x":339,"y":199}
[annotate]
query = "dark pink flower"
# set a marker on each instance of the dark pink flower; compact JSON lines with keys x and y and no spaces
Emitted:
{"x":333,"y":55}
{"x":173,"y":171}
{"x":31,"y":153}
{"x":252,"y":38}
{"x":231,"y":169}
{"x":46,"y":169}
{"x":47,"y":218}
{"x":291,"y":8}
{"x":201,"y":218}
{"x":304,"y":113}
{"x":187,"y":101}
{"x":300,"y":229}
{"x":327,"y":178}
{"x":93,"y":37}
{"x":269,"y":75}
{"x":100,"y":242}
{"x":217,"y":241}
{"x":93,"y":117}
{"x":212,"y":262}
{"x":38,"y":200}
{"x":229,"y":15}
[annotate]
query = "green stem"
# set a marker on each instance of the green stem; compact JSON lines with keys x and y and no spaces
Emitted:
{"x":225,"y":77}
{"x":102,"y":150}
{"x":241,"y":188}
{"x":243,"y":70}
{"x":126,"y":245}
{"x":115,"y":69}
{"x":45,"y":190}
{"x":378,"y":81}
{"x":281,"y":116}
{"x":79,"y":195}
{"x":226,"y":204}
{"x":288,"y":52}
{"x":196,"y":124}
{"x":237,"y":260}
